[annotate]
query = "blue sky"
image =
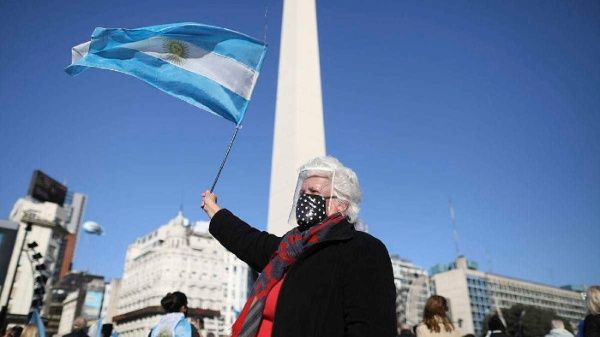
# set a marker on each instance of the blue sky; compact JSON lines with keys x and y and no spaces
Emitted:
{"x":494,"y":104}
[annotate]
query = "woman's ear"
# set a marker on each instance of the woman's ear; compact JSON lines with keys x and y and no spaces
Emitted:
{"x":342,"y":205}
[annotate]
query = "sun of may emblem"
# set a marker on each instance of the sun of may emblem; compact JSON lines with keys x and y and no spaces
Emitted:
{"x":177,"y":50}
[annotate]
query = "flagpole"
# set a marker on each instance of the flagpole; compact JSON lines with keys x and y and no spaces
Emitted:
{"x":235,"y":131}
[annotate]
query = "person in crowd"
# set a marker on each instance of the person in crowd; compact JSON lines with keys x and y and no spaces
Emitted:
{"x":496,"y":327}
{"x":174,"y":322}
{"x":323,"y":277}
{"x":30,"y":330}
{"x":591,"y":324}
{"x":436,"y":322}
{"x":79,"y":328}
{"x":14,"y":331}
{"x":196,"y":326}
{"x":558,"y":329}
{"x":406,"y":331}
{"x":107,"y":330}
{"x":579,"y":329}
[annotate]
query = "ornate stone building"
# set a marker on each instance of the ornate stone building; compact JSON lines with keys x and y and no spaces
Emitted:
{"x":181,"y":257}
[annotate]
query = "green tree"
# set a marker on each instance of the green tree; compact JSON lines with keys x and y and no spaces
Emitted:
{"x":536,"y":322}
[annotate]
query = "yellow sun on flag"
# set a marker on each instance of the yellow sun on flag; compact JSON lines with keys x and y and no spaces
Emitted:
{"x":177,"y":50}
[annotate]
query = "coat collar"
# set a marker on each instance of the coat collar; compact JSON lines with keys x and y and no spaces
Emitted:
{"x":341,"y":231}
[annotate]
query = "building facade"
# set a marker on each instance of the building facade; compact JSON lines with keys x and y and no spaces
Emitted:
{"x":84,"y":300}
{"x":75,"y":207}
{"x":110,"y":300}
{"x":8,"y":236}
{"x":47,"y":225}
{"x":412,"y":290}
{"x":39,"y":222}
{"x":180,"y":257}
{"x":473,"y":294}
{"x":67,"y":301}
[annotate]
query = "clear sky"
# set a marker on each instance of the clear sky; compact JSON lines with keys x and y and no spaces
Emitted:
{"x":494,"y":104}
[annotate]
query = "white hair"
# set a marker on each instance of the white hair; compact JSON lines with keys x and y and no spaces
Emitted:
{"x":344,"y":180}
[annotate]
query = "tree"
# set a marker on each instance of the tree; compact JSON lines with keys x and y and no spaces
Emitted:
{"x":535,"y":323}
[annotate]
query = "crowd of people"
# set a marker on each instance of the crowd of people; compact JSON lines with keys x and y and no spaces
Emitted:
{"x":29,"y":330}
{"x":322,"y":278}
{"x":79,"y":329}
{"x":437,"y":323}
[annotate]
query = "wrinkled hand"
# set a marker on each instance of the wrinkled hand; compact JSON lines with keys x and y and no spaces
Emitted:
{"x":209,"y":204}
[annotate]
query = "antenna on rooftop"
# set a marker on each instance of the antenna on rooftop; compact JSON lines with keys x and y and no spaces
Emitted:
{"x":181,"y":202}
{"x":454,"y":230}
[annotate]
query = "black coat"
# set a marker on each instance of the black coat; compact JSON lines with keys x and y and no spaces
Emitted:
{"x":343,"y":286}
{"x":591,"y":326}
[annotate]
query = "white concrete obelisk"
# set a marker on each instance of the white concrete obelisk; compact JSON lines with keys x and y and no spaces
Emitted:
{"x":299,"y":133}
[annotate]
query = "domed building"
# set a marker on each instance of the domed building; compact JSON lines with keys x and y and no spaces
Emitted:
{"x":179,"y":256}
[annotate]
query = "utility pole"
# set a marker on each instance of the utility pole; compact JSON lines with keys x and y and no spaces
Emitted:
{"x":454,"y":229}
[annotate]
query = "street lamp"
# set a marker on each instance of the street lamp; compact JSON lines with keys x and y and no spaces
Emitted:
{"x":92,"y":227}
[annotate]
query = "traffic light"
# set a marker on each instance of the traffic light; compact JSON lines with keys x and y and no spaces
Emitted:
{"x":41,"y":279}
{"x":36,"y":303}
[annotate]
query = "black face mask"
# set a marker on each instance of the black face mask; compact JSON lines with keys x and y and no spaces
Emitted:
{"x":310,"y":210}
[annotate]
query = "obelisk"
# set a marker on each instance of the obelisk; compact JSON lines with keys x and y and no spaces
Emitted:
{"x":299,"y":133}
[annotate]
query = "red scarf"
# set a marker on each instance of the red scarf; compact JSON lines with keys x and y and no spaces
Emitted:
{"x":291,"y":246}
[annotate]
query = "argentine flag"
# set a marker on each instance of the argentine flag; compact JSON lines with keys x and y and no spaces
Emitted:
{"x":37,"y":320}
{"x":212,"y":68}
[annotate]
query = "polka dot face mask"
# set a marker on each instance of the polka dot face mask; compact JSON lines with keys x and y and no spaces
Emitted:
{"x":310,"y":210}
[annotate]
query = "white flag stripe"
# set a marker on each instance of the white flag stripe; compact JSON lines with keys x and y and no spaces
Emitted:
{"x":228,"y":72}
{"x":79,"y":51}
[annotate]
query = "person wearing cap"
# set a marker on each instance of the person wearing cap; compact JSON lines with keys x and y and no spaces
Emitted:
{"x":323,"y":277}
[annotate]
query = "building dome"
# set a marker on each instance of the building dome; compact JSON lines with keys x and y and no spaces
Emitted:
{"x":177,"y":226}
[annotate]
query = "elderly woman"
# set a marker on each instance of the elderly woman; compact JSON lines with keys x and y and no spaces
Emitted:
{"x":322,"y":278}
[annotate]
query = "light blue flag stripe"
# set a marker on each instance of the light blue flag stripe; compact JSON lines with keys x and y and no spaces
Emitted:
{"x":98,"y":326}
{"x":204,"y":78}
{"x":222,"y":41}
{"x":37,"y":320}
{"x":192,"y":88}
